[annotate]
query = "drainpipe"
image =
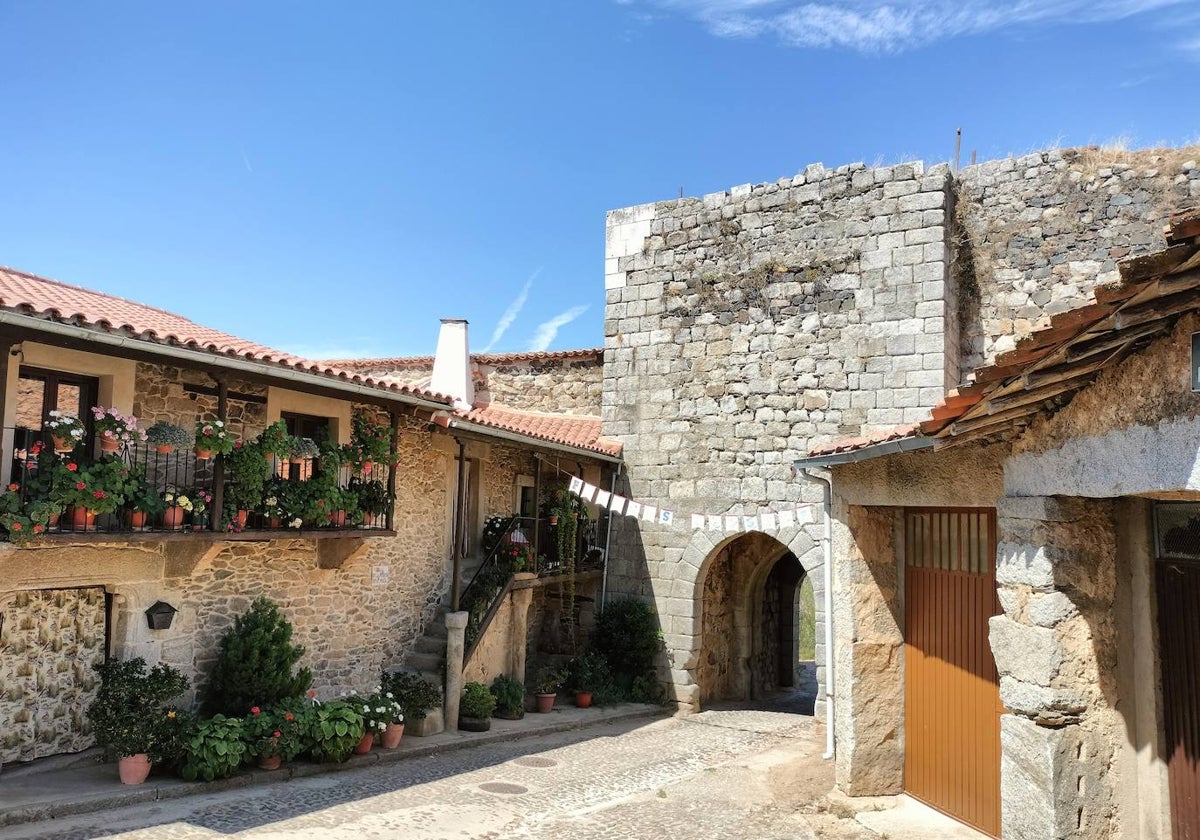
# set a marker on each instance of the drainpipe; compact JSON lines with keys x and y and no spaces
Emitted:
{"x":607,"y":542}
{"x":827,"y":543}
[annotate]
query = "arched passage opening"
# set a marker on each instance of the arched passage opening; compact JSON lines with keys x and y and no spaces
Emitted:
{"x":752,"y":620}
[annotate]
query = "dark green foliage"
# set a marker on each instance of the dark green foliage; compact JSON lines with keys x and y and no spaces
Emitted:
{"x":414,"y":694}
{"x":510,"y":697}
{"x":130,"y":713}
{"x":628,"y":637}
{"x":256,"y":663}
{"x":214,"y":751}
{"x":334,"y":730}
{"x":477,"y":702}
{"x":587,"y":672}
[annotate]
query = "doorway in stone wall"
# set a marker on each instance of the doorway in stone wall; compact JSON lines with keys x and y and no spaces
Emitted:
{"x":755,"y":617}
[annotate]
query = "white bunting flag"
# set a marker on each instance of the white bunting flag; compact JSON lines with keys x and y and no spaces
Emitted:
{"x":588,"y":492}
{"x":750,"y":523}
{"x":714,"y":523}
{"x":633,"y":509}
{"x":649,"y":513}
{"x":787,"y":518}
{"x":617,"y":504}
{"x":576,"y":485}
{"x":768,"y":521}
{"x":666,"y":517}
{"x":698,"y":521}
{"x":602,"y":497}
{"x":804,"y":514}
{"x":731,"y":523}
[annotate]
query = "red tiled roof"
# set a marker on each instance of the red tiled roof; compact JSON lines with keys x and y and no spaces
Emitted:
{"x":1048,"y":367}
{"x":580,"y":431}
{"x":29,"y":294}
{"x":479,"y":358}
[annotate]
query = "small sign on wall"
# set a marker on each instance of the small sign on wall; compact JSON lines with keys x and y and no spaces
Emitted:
{"x":380,"y":575}
{"x":1196,"y":361}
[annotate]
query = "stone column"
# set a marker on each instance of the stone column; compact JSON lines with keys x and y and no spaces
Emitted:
{"x":456,"y":634}
{"x":1055,"y":650}
{"x":519,"y":627}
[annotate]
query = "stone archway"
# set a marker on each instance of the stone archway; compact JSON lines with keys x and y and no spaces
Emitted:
{"x":746,"y":604}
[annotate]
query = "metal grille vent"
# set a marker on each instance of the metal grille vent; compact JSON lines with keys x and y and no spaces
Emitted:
{"x":1177,"y":530}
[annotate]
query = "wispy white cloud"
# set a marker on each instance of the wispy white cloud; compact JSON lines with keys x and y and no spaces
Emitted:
{"x":511,"y":313}
{"x":349,"y":348}
{"x":891,"y":25}
{"x":547,"y":330}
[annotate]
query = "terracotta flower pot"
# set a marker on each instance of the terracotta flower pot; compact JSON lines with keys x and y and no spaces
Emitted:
{"x":269,"y":762}
{"x":55,"y":518}
{"x":364,"y":746}
{"x":81,"y":519}
{"x":173,"y":518}
{"x":62,"y":444}
{"x":136,"y":519}
{"x":240,"y":518}
{"x":392,"y":735}
{"x":368,"y":467}
{"x":545,"y":702}
{"x":337,"y":518}
{"x":583,"y":699}
{"x":164,"y":449}
{"x":554,"y":519}
{"x":134,"y":768}
{"x":203,"y":454}
{"x":110,"y":444}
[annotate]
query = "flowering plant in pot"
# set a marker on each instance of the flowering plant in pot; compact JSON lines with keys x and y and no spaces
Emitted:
{"x":586,"y":674}
{"x":274,"y":442}
{"x":179,"y":502}
{"x":66,"y":430}
{"x":88,"y":491}
{"x":142,"y":499}
{"x":212,"y":438}
{"x":274,"y":734}
{"x":23,"y":519}
{"x":545,"y":688}
{"x":130,"y":715}
{"x":372,"y":501}
{"x":167,"y":437}
{"x":376,"y":717}
{"x":247,"y":473}
{"x":115,"y":430}
{"x":475,"y":708}
{"x":415,"y":694}
{"x":370,"y":443}
{"x":391,"y":713}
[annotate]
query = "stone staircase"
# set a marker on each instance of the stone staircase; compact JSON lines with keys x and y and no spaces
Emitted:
{"x":428,"y":657}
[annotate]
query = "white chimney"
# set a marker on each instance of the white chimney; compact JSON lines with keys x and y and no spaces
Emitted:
{"x":452,"y":364}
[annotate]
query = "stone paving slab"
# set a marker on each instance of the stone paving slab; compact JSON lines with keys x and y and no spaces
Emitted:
{"x":77,"y":788}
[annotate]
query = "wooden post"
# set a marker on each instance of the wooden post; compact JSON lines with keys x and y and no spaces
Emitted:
{"x":218,"y":503}
{"x":390,"y":516}
{"x":537,"y":511}
{"x":7,"y":435}
{"x":460,"y":521}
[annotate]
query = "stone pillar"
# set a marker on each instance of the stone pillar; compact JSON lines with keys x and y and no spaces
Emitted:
{"x":1055,"y":650}
{"x":456,"y":634}
{"x":519,"y":626}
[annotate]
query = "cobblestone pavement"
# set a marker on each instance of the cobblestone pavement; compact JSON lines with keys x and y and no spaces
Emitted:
{"x":720,"y":774}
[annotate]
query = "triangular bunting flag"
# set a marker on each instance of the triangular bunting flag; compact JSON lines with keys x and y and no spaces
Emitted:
{"x":787,"y":518}
{"x":714,"y":523}
{"x":576,"y":486}
{"x":666,"y":517}
{"x":649,"y":513}
{"x":768,"y":521}
{"x":750,"y":523}
{"x":731,"y":523}
{"x":617,"y":504}
{"x":633,"y":509}
{"x":602,"y":497}
{"x":588,"y":492}
{"x":697,"y":521}
{"x":804,"y":514}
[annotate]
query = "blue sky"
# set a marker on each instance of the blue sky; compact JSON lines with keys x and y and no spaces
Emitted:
{"x":333,"y":178}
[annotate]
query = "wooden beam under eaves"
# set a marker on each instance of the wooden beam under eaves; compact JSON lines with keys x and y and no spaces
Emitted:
{"x":1160,"y":308}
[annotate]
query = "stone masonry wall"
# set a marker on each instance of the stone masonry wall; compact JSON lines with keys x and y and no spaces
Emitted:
{"x":1034,"y":235}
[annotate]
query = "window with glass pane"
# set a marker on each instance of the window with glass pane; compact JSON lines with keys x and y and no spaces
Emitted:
{"x":316,"y":429}
{"x":41,"y":391}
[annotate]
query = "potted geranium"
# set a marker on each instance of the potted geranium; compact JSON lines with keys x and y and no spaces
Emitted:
{"x":370,"y":443}
{"x":130,"y":715}
{"x":274,"y":441}
{"x":23,"y":520}
{"x":273,"y":735}
{"x":142,"y":499}
{"x":114,"y":429}
{"x":545,"y":688}
{"x":178,"y":503}
{"x":167,"y":437}
{"x":389,"y":710}
{"x":475,"y":708}
{"x":66,"y":430}
{"x":373,"y":501}
{"x":91,"y":490}
{"x":212,"y":438}
{"x":247,"y":473}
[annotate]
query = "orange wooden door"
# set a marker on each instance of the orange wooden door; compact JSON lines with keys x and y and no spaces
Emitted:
{"x":951,"y":691}
{"x":1178,"y":634}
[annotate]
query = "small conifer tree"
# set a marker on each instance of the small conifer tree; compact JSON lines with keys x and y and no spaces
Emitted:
{"x":255,"y":666}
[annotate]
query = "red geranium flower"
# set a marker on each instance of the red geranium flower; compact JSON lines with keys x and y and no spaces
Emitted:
{"x":16,"y":526}
{"x":37,"y":529}
{"x":312,"y":692}
{"x":277,"y":733}
{"x":255,"y":710}
{"x":72,"y":467}
{"x":14,"y":487}
{"x":79,"y":485}
{"x":99,"y":494}
{"x":289,"y":716}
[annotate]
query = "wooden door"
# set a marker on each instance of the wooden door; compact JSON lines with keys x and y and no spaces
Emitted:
{"x":951,"y":691}
{"x":1178,"y":584}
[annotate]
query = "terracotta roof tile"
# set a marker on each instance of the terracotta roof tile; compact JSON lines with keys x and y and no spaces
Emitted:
{"x":478,"y":358}
{"x":569,"y":429}
{"x":871,"y":439}
{"x":55,"y":301}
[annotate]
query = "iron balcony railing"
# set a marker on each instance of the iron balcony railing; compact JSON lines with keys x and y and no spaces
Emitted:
{"x":176,"y":491}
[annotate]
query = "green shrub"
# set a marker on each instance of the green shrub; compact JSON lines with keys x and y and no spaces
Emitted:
{"x":255,"y":664}
{"x":334,"y":730}
{"x":510,"y":697}
{"x":588,"y":672}
{"x":477,"y":701}
{"x":628,"y":637}
{"x":548,"y":681}
{"x":277,"y":730}
{"x":215,"y":749}
{"x":130,"y":713}
{"x":416,"y":695}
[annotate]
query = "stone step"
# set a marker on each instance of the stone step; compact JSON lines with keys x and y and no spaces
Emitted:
{"x":431,"y":644}
{"x":424,"y":662}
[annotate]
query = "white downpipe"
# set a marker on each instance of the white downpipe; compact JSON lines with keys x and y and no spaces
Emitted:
{"x":827,"y":544}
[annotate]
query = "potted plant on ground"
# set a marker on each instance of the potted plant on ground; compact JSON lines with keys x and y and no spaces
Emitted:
{"x":375,"y":720}
{"x":585,"y":675}
{"x":89,"y":491}
{"x":475,"y":708}
{"x":215,"y":749}
{"x":130,"y":715}
{"x":273,"y":735}
{"x":167,"y":437}
{"x":115,"y":430}
{"x":416,"y":695}
{"x":510,"y":698}
{"x":212,"y":438}
{"x":392,"y":713}
{"x":545,"y":688}
{"x":336,"y":729}
{"x":66,"y":430}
